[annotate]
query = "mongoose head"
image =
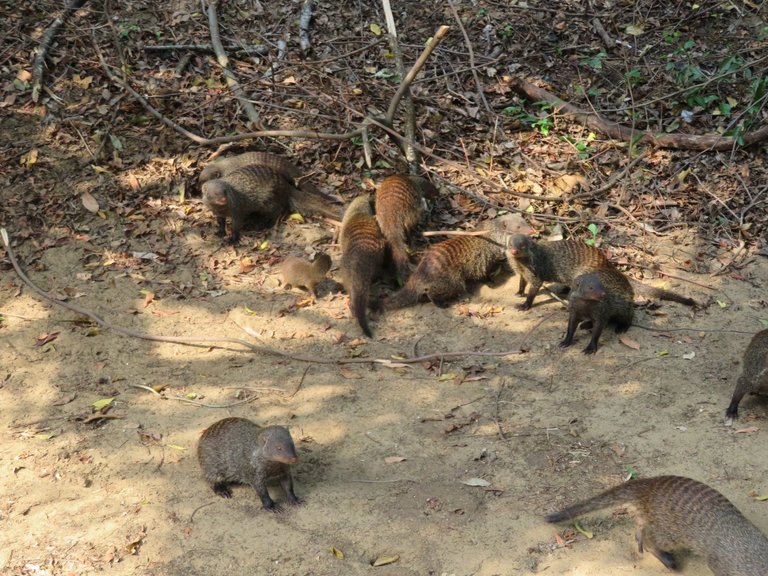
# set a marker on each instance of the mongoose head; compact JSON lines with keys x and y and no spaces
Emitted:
{"x":519,"y":245}
{"x":215,"y":194}
{"x":588,"y":287}
{"x":277,"y":445}
{"x":210,"y":172}
{"x":322,"y":263}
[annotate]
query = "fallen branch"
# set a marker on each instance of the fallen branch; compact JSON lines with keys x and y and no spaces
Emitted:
{"x":409,"y":151}
{"x":259,"y":50}
{"x":45,"y":44}
{"x":223,"y":60}
{"x":216,"y":342}
{"x":304,"y":20}
{"x":618,"y":131}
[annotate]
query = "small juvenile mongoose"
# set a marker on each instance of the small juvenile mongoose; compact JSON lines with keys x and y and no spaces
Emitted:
{"x":260,"y":190}
{"x":299,"y":272}
{"x":601,"y":297}
{"x":446,"y":267}
{"x":238,"y":451}
{"x":224,"y":166}
{"x":754,"y":372}
{"x":674,"y":512}
{"x":362,"y":254}
{"x":399,"y":209}
{"x":561,"y":261}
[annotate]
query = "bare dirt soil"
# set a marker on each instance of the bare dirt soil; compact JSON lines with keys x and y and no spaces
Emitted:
{"x":390,"y":451}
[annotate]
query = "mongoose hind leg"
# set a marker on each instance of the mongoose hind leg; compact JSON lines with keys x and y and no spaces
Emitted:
{"x":646,"y":542}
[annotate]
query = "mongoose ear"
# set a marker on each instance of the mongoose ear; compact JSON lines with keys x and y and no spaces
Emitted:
{"x":262,"y":439}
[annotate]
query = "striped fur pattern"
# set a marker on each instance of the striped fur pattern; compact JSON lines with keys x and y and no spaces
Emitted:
{"x":362,"y":255}
{"x":674,"y":512}
{"x":446,"y":267}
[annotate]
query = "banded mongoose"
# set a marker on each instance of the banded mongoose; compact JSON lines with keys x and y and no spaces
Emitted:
{"x":600,"y":297}
{"x":399,"y":209}
{"x":674,"y":512}
{"x":238,"y":451}
{"x":446,"y":267}
{"x":754,"y":373}
{"x":224,"y":166}
{"x":259,"y":190}
{"x":362,"y":255}
{"x":561,"y":261}
{"x":300,"y":272}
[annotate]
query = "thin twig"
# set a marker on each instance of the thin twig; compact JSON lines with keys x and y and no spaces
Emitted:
{"x":468,"y":44}
{"x":223,"y":60}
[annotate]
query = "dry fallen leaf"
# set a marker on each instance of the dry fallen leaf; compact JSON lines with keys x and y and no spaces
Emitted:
{"x":629,"y":343}
{"x":394,"y":459}
{"x":90,"y":202}
{"x":749,"y":430}
{"x":349,"y":375}
{"x":384,"y":560}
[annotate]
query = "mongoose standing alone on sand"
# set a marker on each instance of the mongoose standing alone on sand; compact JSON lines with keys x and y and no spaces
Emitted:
{"x":257,"y":190}
{"x":399,"y":209}
{"x":237,"y":451}
{"x":754,"y":373}
{"x":674,"y":512}
{"x":446,"y":267}
{"x":561,"y":261}
{"x":600,"y":297}
{"x":299,"y":272}
{"x":362,"y":254}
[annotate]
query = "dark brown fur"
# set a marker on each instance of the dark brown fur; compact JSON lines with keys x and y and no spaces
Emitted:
{"x":238,"y":451}
{"x":600,"y":297}
{"x":754,"y":372}
{"x":224,"y":166}
{"x":251,"y":190}
{"x":446,"y":267}
{"x":299,"y":272}
{"x":362,"y":254}
{"x":258,"y":190}
{"x":399,"y":209}
{"x":559,"y":261}
{"x":674,"y":512}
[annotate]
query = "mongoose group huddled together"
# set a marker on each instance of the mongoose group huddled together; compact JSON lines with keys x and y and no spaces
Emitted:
{"x":673,"y":512}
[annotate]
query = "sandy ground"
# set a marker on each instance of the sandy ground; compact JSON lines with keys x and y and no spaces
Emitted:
{"x":385,"y":452}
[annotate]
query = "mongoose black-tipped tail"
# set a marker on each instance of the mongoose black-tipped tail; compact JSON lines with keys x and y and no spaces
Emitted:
{"x":358,"y":302}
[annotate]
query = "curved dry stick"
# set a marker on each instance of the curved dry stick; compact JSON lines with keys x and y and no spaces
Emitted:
{"x":411,"y":76}
{"x":45,"y":44}
{"x":211,"y":342}
{"x":223,"y":60}
{"x":620,"y":132}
